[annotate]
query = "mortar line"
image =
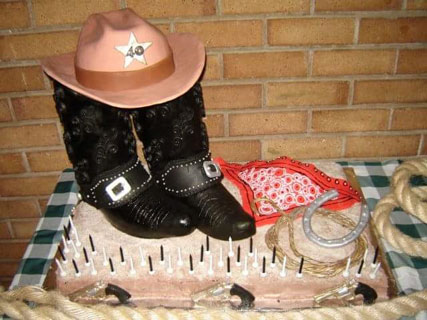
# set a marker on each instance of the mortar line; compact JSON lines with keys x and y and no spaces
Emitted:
{"x":351,"y":93}
{"x":343,"y":145}
{"x":9,"y":227}
{"x":404,"y":4}
{"x":123,"y":4}
{"x":310,"y":63}
{"x":396,"y":61}
{"x":218,"y":5}
{"x":390,"y":119}
{"x":30,"y":13}
{"x":356,"y":30}
{"x":25,"y":161}
{"x":226,"y":125}
{"x":11,"y":109}
{"x":312,"y":7}
{"x":420,"y":146}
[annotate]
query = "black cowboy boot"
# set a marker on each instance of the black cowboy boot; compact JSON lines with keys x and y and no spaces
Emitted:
{"x":102,"y":149}
{"x":176,"y":149}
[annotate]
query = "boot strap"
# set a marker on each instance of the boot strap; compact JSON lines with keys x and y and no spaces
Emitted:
{"x":186,"y":177}
{"x":115,"y":187}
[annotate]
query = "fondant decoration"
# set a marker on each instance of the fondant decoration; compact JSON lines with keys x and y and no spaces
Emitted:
{"x":132,"y":270}
{"x":62,"y":272}
{"x":283,"y":270}
{"x":238,"y":263}
{"x":220,"y":261}
{"x":162,"y":255}
{"x":301,"y":264}
{"x":63,"y":257}
{"x":169,"y":269}
{"x":77,"y":273}
{"x":359,"y":271}
{"x":255,"y":262}
{"x":67,"y":234}
{"x":374,"y":272}
{"x":191,"y":271}
{"x":92,"y":246}
{"x":87,"y":263}
{"x":273,"y":258}
{"x":133,"y":50}
{"x":104,"y":254}
{"x":150,"y":262}
{"x":374,"y":260}
{"x":112,"y":271}
{"x":346,"y":272}
{"x":211,"y":270}
{"x":208,"y":250}
{"x":141,"y":254}
{"x":180,"y":262}
{"x":287,"y":182}
{"x":251,"y":247}
{"x":102,"y":67}
{"x":201,"y":261}
{"x":74,"y":231}
{"x":93,"y":269}
{"x":76,"y":252}
{"x":337,"y":242}
{"x":122,"y":257}
{"x":230,"y":247}
{"x":263,"y":272}
{"x":176,"y":149}
{"x":64,"y":243}
{"x":245,"y":271}
{"x":228,"y":267}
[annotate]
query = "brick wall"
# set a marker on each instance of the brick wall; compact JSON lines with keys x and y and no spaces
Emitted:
{"x":312,"y":79}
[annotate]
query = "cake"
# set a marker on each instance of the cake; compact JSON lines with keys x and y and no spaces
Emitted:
{"x":171,"y":285}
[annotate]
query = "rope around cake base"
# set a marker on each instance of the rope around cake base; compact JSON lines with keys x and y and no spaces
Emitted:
{"x":52,"y":305}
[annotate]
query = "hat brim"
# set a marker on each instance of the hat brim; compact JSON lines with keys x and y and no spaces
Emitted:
{"x":189,"y":59}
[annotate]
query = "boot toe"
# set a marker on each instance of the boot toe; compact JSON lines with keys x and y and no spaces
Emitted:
{"x":243,"y":229}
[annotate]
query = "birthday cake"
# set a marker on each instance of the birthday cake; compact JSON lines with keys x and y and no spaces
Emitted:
{"x":159,"y":272}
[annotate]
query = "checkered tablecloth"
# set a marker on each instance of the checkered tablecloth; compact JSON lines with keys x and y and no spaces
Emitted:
{"x":374,"y":178}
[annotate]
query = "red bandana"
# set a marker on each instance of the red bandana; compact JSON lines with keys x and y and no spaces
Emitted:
{"x":287,"y":182}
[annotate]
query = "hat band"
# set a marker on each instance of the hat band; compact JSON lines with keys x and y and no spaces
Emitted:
{"x":126,"y":80}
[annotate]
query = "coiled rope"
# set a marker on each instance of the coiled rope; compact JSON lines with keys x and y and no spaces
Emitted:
{"x":412,"y":200}
{"x":53,"y":305}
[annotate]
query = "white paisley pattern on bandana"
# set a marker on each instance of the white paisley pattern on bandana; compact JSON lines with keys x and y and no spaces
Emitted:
{"x":287,"y":190}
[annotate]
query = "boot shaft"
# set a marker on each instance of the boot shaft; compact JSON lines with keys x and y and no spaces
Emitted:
{"x":97,"y":137}
{"x":173,"y":130}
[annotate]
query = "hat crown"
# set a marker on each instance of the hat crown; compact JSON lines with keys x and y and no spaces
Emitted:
{"x":119,"y":41}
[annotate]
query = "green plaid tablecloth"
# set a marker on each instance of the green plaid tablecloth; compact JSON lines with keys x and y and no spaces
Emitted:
{"x":374,"y":178}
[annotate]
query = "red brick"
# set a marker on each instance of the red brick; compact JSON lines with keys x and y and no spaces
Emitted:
{"x":37,"y":45}
{"x":224,"y":97}
{"x":265,"y":65}
{"x":309,"y":31}
{"x":11,"y":163}
{"x":4,"y":111}
{"x":383,"y":91}
{"x":14,"y":14}
{"x":4,"y":231}
{"x":28,"y":186}
{"x":48,"y":12}
{"x":18,"y":209}
{"x":398,"y":30}
{"x":213,"y":68}
{"x":12,"y":250}
{"x":215,"y":125}
{"x":416,"y":5}
{"x":55,"y":160}
{"x":267,"y":123}
{"x":5,"y":282}
{"x":43,"y":202}
{"x":167,"y":9}
{"x":412,"y":61}
{"x":8,"y":268}
{"x":357,"y":5}
{"x":307,"y":93}
{"x":382,"y":146}
{"x":29,"y":136}
{"x":349,"y":62}
{"x":37,"y":107}
{"x":236,"y":150}
{"x":350,"y":120}
{"x":225,"y":33}
{"x":303,"y":148}
{"x":266,"y":6}
{"x":21,"y":79}
{"x":409,"y":119}
{"x":24,"y":229}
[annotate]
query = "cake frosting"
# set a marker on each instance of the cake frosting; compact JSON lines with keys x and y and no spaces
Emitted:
{"x":171,"y":284}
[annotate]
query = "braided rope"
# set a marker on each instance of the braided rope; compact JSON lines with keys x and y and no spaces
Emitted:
{"x":410,"y":201}
{"x":52,"y":305}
